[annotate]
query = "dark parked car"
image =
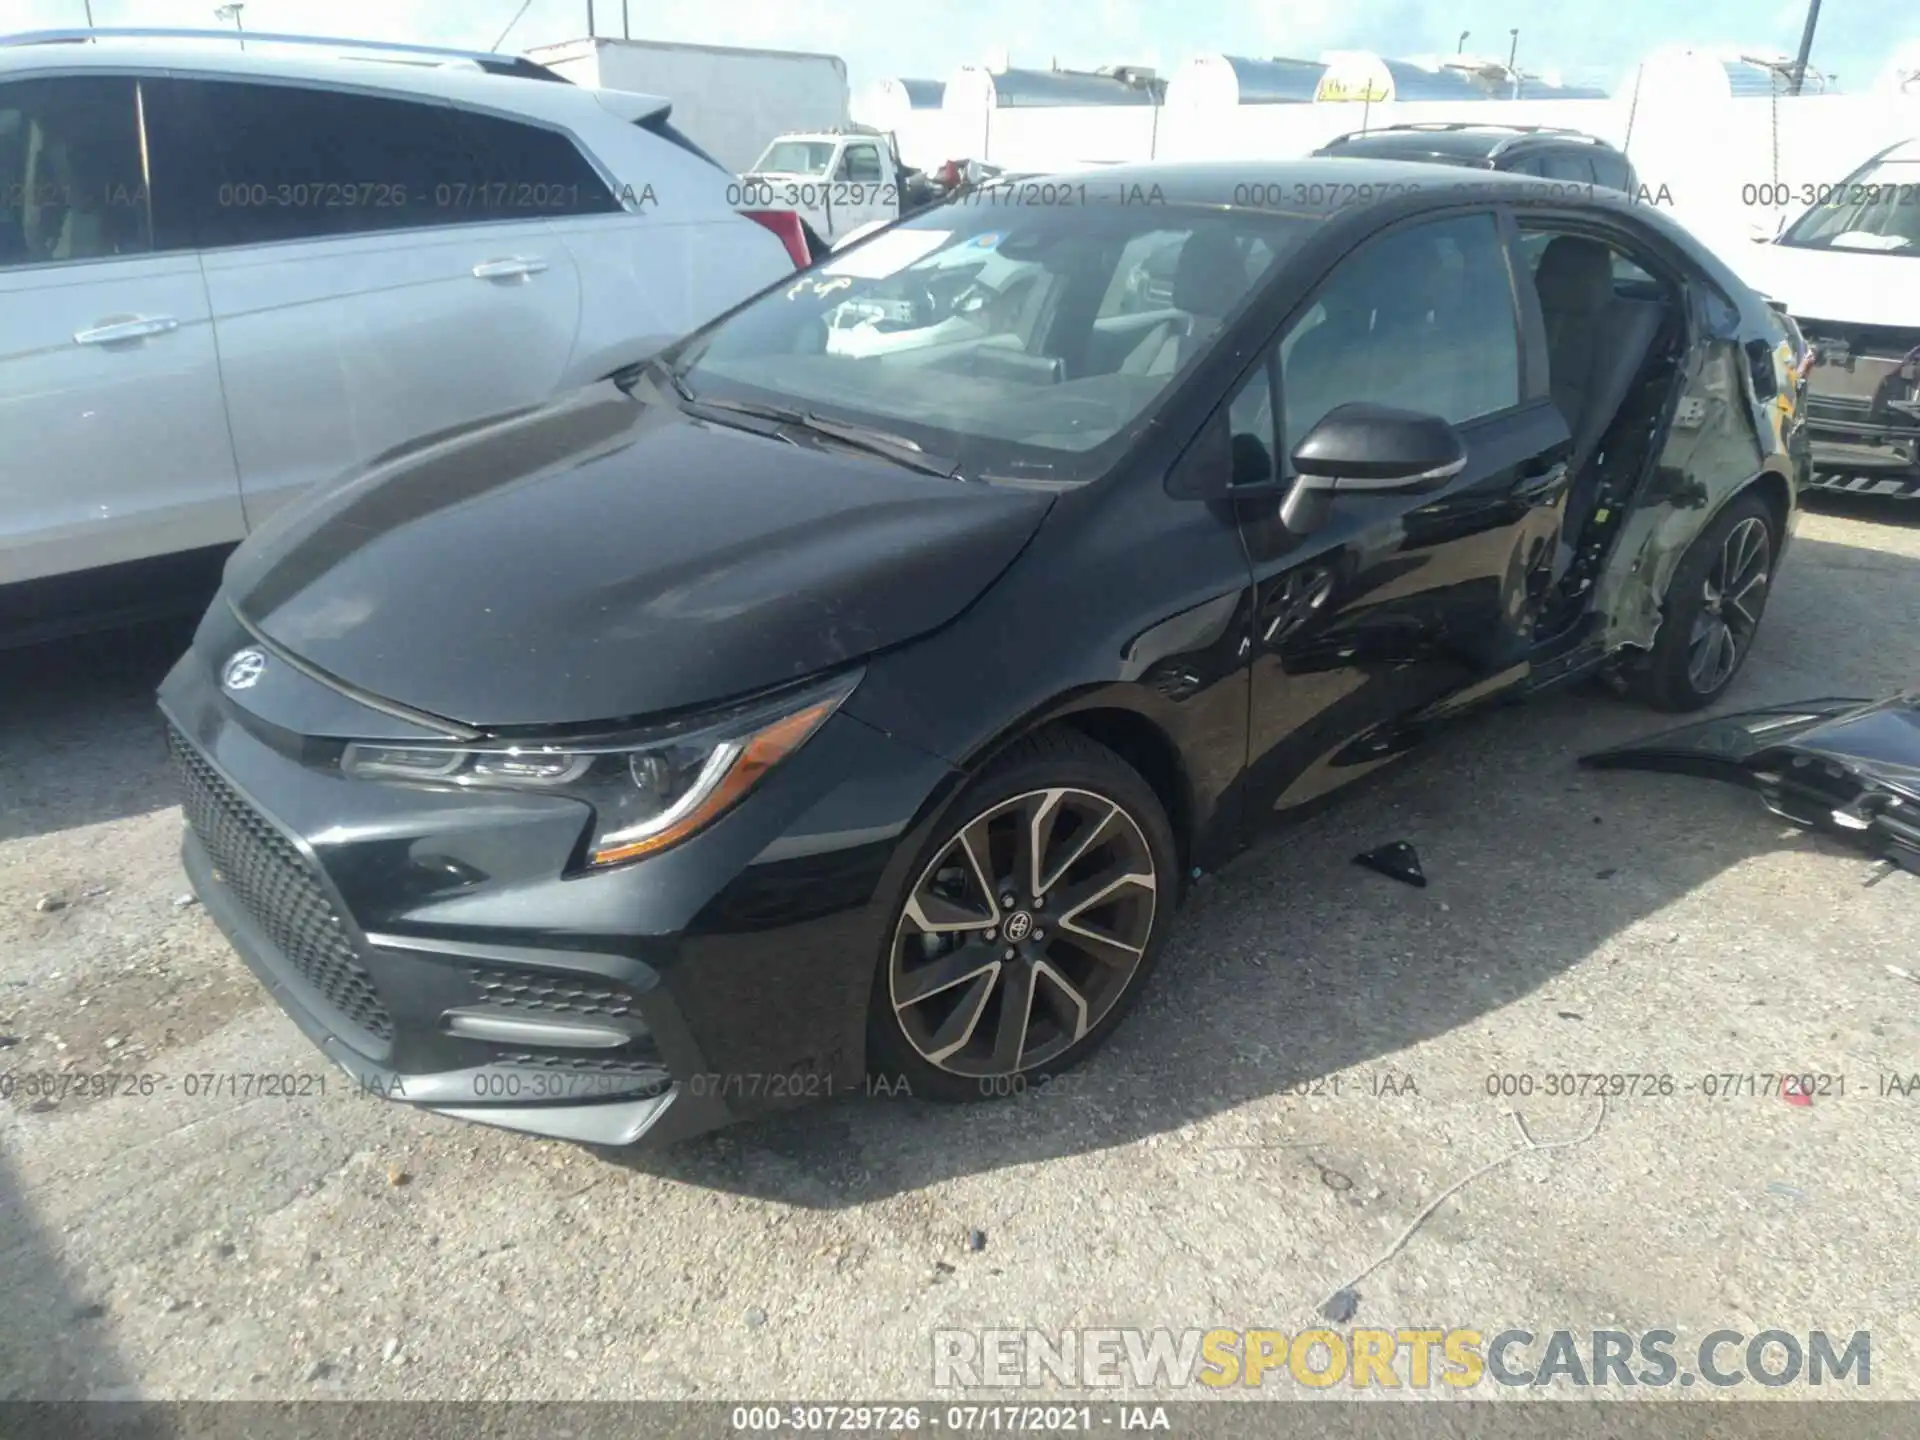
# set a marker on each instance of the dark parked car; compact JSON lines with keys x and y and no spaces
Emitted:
{"x":773,"y":716}
{"x":1569,"y":157}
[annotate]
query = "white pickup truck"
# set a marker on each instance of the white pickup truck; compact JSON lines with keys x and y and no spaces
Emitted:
{"x":837,"y":180}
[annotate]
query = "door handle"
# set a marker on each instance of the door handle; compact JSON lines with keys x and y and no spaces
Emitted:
{"x":1542,"y":486}
{"x":513,"y":267}
{"x":114,"y":331}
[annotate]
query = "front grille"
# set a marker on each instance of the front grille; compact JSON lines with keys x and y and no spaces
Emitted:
{"x":278,"y":890}
{"x":549,"y":994}
{"x":1889,"y":342}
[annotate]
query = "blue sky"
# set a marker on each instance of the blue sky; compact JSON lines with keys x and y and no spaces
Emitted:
{"x":878,"y":38}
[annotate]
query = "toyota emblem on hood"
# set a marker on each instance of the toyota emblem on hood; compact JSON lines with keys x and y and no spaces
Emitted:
{"x":244,"y":669}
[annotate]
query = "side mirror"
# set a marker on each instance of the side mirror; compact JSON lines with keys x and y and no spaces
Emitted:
{"x":1369,"y":448}
{"x":1765,"y":232}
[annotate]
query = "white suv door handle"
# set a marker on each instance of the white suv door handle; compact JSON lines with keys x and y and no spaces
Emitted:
{"x":511,"y":268}
{"x":115,"y":331}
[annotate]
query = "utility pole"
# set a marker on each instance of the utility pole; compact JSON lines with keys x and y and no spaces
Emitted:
{"x":511,"y":23}
{"x":590,"y":30}
{"x":626,"y":32}
{"x":232,"y":12}
{"x":1513,"y":50}
{"x":1799,"y":77}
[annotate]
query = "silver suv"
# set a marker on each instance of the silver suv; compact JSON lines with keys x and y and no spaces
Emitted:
{"x":227,"y":275}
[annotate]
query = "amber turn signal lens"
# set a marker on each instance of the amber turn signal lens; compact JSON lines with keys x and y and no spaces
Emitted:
{"x":758,"y":754}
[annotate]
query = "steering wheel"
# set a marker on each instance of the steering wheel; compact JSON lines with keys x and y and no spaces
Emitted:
{"x":924,"y":305}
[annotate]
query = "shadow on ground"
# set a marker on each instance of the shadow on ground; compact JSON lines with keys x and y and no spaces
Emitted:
{"x":1901,"y":514}
{"x":55,"y":1339}
{"x":80,"y":739}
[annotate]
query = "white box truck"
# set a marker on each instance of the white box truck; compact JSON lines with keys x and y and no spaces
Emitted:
{"x":731,"y":102}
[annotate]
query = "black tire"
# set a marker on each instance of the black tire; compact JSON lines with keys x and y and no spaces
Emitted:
{"x":1002,"y":802}
{"x":1673,"y":677}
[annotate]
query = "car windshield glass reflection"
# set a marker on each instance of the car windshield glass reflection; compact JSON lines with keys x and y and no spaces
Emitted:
{"x":1877,"y":208}
{"x":796,"y":157}
{"x":1013,"y":338}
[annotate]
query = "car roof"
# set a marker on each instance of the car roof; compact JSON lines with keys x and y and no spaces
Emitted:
{"x":1466,"y":144}
{"x":417,"y":76}
{"x":1326,"y":183}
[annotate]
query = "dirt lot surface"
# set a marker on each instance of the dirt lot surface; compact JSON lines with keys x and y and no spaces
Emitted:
{"x":1310,"y":1069}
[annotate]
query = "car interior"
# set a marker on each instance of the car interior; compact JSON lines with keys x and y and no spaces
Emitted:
{"x":1067,"y":351}
{"x":1394,"y":332}
{"x":71,"y":185}
{"x":1615,"y":336}
{"x":1063,"y":332}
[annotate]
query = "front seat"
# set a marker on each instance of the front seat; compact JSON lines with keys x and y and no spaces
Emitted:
{"x":1596,"y":343}
{"x":1209,"y":280}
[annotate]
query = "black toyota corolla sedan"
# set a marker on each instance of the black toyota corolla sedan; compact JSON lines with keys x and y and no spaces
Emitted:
{"x":854,"y":688}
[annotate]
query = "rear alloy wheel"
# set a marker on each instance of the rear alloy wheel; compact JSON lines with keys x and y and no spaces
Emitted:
{"x":1030,"y":929}
{"x":1716,"y":599}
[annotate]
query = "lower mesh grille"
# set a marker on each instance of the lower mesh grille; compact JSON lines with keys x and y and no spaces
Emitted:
{"x":580,"y":1064}
{"x":278,"y":890}
{"x":549,"y":994}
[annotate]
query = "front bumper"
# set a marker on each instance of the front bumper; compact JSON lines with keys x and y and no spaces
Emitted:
{"x":1836,"y":470}
{"x":1863,"y":410}
{"x":438,"y":947}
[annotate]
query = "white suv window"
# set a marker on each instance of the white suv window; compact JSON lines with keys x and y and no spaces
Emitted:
{"x":73,"y":185}
{"x":287,"y":162}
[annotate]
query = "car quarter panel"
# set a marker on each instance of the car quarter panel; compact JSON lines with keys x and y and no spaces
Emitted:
{"x":1736,"y":424}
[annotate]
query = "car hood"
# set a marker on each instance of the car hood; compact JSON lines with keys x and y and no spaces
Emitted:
{"x":1846,"y":766}
{"x":1866,"y":287}
{"x":602,"y":558}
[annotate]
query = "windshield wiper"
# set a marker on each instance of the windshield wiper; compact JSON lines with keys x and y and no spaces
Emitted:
{"x":884,"y":443}
{"x":672,"y":376}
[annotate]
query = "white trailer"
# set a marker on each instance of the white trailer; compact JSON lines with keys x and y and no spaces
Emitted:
{"x":731,"y":102}
{"x":910,"y":111}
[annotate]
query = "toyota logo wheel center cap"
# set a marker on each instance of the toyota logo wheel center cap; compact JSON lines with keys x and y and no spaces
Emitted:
{"x":1019,"y":926}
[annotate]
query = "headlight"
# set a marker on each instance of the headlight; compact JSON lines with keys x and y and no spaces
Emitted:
{"x":647,"y":792}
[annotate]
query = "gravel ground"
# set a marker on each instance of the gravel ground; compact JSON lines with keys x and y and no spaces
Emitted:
{"x":1205,"y":1170}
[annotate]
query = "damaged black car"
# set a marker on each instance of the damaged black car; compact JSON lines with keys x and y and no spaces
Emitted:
{"x":830,"y":696}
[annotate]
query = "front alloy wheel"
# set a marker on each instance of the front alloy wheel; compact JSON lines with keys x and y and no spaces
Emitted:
{"x":1022,"y":939}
